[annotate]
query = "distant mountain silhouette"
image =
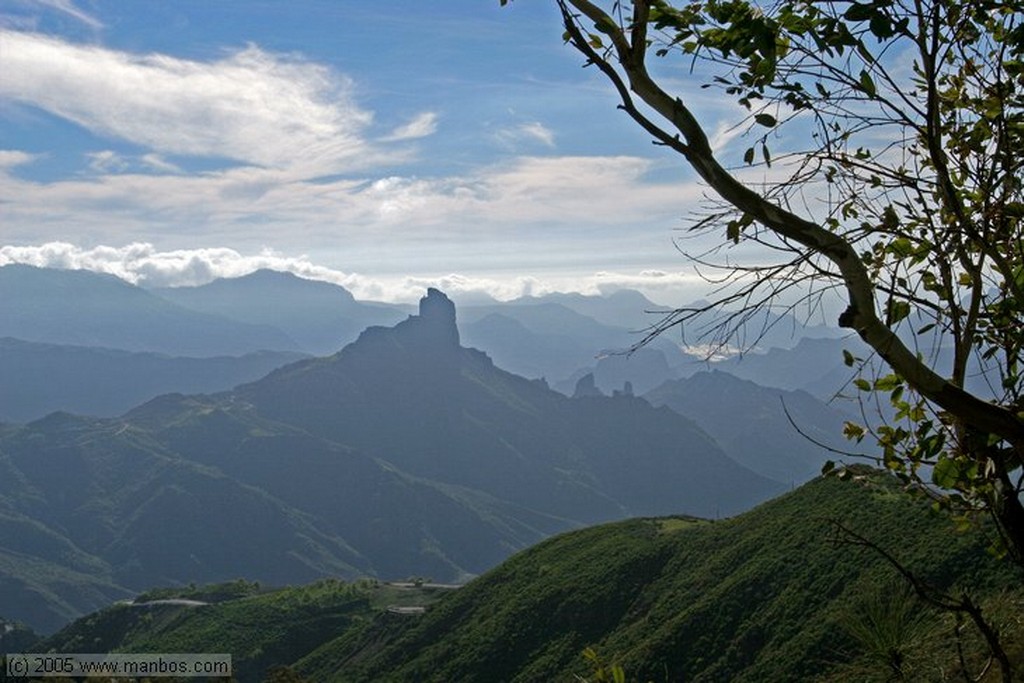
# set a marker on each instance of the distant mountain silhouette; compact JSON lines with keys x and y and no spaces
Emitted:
{"x":542,"y":339}
{"x":412,"y":396}
{"x":750,"y":423}
{"x":624,"y":308}
{"x":813,"y":365}
{"x":37,"y":379}
{"x":403,"y":454}
{"x":83,"y":308}
{"x":321,"y":317}
{"x":644,"y":368}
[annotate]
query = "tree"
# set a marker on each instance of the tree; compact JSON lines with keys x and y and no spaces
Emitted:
{"x":890,"y":139}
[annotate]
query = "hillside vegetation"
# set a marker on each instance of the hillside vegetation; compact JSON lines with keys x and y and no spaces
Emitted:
{"x":769,"y":595}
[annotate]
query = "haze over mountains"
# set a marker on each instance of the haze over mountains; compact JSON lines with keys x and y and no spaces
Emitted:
{"x":404,"y":453}
{"x":320,"y":317}
{"x":559,"y":337}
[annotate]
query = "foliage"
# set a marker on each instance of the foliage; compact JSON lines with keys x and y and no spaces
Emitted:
{"x":759,"y":597}
{"x":218,"y":592}
{"x":265,"y":630}
{"x":16,"y":637}
{"x":889,"y":625}
{"x":655,"y":599}
{"x":603,"y":672}
{"x":888,"y":137}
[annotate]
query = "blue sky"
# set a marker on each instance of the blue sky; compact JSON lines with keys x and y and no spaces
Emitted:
{"x":384,"y":146}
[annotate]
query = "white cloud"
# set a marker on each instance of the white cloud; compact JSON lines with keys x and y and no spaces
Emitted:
{"x":143,"y":264}
{"x":9,"y":158}
{"x":252,"y":106}
{"x":158,"y":163}
{"x":268,"y":206}
{"x":107,"y":161}
{"x":420,"y":127}
{"x":725,"y":132}
{"x":528,"y":132}
{"x":540,"y":132}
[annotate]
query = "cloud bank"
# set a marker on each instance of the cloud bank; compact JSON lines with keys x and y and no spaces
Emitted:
{"x":145,"y":265}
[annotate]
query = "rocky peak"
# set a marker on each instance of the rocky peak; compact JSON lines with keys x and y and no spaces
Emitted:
{"x":433,"y":330}
{"x":437,"y":317}
{"x":586,"y":386}
{"x":437,"y":306}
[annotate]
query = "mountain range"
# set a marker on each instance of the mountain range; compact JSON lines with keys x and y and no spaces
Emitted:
{"x":559,"y":337}
{"x":320,"y":317}
{"x":82,"y":308}
{"x":39,"y":378}
{"x":784,"y":435}
{"x":404,"y":453}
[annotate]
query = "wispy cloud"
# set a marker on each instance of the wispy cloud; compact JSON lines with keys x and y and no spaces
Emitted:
{"x":107,"y":161}
{"x":252,"y":106}
{"x":724,"y":133}
{"x":159,"y":164}
{"x":9,"y":158}
{"x":423,"y":125}
{"x":270,"y":206}
{"x":538,"y":131}
{"x":69,"y":8}
{"x":533,"y":131}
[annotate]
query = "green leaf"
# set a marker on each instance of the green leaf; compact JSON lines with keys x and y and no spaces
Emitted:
{"x":848,"y":359}
{"x":946,"y":473}
{"x":853,"y":431}
{"x":606,"y":25}
{"x":881,"y":26}
{"x":867,"y":84}
{"x":888,"y":383}
{"x":732,"y":232}
{"x":898,"y":310}
{"x":901,"y":246}
{"x":748,"y":156}
{"x":862,"y":384}
{"x":859,"y":12}
{"x":766,"y":120}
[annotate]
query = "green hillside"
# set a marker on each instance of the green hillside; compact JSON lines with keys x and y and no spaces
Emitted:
{"x":762,"y":597}
{"x":262,"y":628}
{"x":766,"y":596}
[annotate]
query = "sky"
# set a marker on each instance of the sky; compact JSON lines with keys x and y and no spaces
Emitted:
{"x":385,"y":146}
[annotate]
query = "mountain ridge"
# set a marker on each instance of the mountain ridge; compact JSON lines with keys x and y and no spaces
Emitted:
{"x":402,"y":454}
